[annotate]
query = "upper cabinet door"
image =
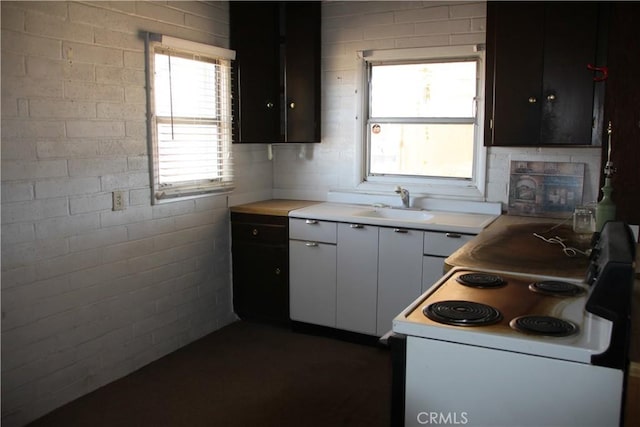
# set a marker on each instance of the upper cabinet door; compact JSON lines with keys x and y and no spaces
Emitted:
{"x":277,"y":71}
{"x":255,"y":36}
{"x":570,"y":44}
{"x":302,"y":71}
{"x":539,"y":89}
{"x":514,"y":73}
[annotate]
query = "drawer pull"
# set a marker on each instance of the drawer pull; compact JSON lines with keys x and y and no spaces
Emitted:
{"x":254,"y":232}
{"x":311,"y":221}
{"x":356,"y":226}
{"x":454,"y":235}
{"x":311,"y":244}
{"x":400,"y":230}
{"x":277,"y":271}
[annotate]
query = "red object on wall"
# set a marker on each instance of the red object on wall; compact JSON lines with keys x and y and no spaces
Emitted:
{"x":604,"y":70}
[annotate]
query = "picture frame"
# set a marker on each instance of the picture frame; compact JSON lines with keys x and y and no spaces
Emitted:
{"x":545,"y":189}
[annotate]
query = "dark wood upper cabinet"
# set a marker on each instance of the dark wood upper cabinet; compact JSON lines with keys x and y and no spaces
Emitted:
{"x":622,"y":108}
{"x":276,"y":78}
{"x":539,"y":91}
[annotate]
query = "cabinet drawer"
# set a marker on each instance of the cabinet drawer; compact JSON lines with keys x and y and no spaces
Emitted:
{"x":313,"y":230}
{"x":444,"y":244}
{"x":262,"y":233}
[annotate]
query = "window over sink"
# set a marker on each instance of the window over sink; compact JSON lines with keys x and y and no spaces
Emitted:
{"x":421,"y":123}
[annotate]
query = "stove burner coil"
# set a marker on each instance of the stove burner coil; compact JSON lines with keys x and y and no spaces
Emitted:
{"x":481,"y":280}
{"x":544,"y":325}
{"x":462,"y":313}
{"x":556,"y":288}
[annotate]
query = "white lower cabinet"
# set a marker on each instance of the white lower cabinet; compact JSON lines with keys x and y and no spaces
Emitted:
{"x":357,"y":278}
{"x":399,"y":273}
{"x":312,"y":271}
{"x":312,"y":282}
{"x":437,"y":247}
{"x":432,"y":270}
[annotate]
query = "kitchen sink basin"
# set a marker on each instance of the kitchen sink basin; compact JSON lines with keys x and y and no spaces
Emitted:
{"x":396,"y":214}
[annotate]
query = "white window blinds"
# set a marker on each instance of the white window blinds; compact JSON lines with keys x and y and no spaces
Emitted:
{"x":191,"y":121}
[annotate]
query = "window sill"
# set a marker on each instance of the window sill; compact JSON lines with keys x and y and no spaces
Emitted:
{"x":188,"y":196}
{"x":464,"y":190}
{"x":430,"y":202}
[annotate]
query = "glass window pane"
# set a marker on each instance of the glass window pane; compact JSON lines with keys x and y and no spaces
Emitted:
{"x":444,"y":89}
{"x":188,"y":152}
{"x":184,"y":87}
{"x":433,"y":150}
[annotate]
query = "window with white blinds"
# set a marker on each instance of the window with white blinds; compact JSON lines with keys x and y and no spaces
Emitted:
{"x":191,"y":119}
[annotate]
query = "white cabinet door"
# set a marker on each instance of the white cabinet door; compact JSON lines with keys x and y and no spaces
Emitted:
{"x":444,"y":244}
{"x":399,"y":273}
{"x":357,"y":285}
{"x":437,"y":247}
{"x":312,"y":282}
{"x":432,"y":270}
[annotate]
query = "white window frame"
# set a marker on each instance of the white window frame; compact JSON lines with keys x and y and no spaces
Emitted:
{"x":471,"y":189}
{"x":167,"y":192}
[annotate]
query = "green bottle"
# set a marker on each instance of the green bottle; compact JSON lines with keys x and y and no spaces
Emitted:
{"x":605,"y":209}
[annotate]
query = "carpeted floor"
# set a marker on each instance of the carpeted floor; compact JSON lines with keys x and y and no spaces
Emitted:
{"x":245,"y":374}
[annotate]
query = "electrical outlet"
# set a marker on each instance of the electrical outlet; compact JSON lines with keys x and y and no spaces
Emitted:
{"x":118,"y":200}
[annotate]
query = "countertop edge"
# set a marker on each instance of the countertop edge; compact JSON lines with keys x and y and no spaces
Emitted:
{"x":274,"y":207}
{"x":346,"y":212}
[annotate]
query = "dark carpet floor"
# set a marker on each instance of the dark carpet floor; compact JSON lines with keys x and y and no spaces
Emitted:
{"x":245,"y":374}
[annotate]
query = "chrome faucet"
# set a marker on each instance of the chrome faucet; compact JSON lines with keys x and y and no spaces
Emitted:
{"x":404,"y":195}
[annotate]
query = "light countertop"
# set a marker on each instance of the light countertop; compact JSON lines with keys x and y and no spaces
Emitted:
{"x":275,"y":207}
{"x":509,"y":244}
{"x":420,"y":219}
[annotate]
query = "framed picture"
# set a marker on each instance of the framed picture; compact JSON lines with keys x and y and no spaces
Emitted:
{"x":545,"y":189}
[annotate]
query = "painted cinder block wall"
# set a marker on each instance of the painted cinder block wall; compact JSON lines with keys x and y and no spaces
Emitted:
{"x":90,"y":294}
{"x":351,"y":26}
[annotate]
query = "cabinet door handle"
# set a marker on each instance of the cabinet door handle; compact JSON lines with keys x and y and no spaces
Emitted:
{"x":400,"y":230}
{"x":533,"y":100}
{"x":311,"y":221}
{"x":277,"y":271}
{"x":292,"y":105}
{"x":255,"y":232}
{"x":551,"y":97}
{"x":269,"y":104}
{"x":356,"y":225}
{"x":454,"y":235}
{"x":311,"y":244}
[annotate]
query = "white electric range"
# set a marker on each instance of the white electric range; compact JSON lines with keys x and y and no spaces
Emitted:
{"x":490,"y":348}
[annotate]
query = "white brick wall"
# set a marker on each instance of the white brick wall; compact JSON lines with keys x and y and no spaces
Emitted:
{"x":351,"y":26}
{"x":89,"y":294}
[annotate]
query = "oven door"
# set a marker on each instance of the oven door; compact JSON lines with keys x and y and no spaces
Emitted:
{"x":449,"y":383}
